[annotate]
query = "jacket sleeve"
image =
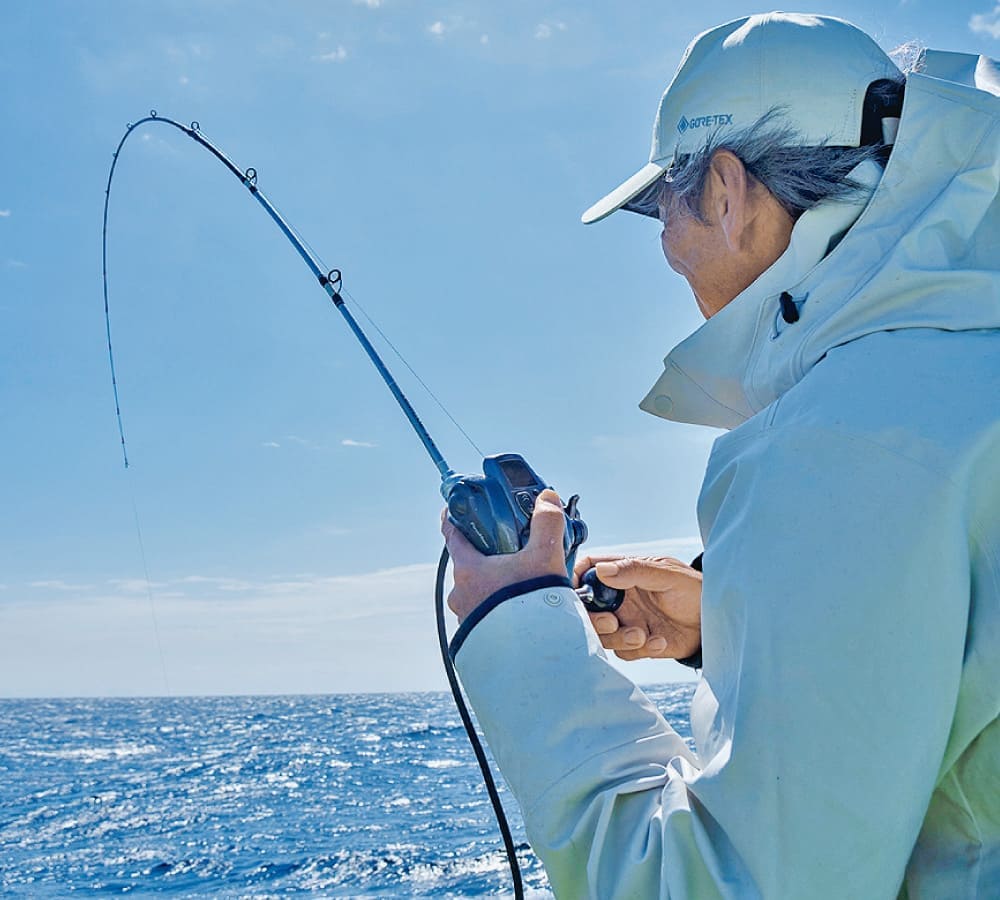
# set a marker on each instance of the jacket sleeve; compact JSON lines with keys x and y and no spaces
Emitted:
{"x":833,"y":623}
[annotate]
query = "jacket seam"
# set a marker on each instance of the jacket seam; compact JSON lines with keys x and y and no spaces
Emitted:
{"x":583,"y":762}
{"x":692,"y":381}
{"x":967,"y":809}
{"x":850,"y":436}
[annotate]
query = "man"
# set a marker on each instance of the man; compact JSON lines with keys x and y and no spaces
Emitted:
{"x":843,"y":243}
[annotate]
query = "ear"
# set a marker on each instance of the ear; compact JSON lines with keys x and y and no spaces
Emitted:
{"x":728,"y":197}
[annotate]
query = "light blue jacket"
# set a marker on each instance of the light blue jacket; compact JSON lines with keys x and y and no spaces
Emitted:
{"x":846,"y":725}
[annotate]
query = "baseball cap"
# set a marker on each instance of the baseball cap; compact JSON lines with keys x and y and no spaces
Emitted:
{"x":814,"y":69}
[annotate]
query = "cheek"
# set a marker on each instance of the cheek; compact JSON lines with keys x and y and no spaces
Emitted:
{"x":669,"y":244}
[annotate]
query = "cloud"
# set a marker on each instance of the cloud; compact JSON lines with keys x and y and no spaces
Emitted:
{"x":484,"y":39}
{"x":302,"y":442}
{"x":4,"y":213}
{"x":295,"y":439}
{"x":288,"y":633}
{"x":371,"y":4}
{"x":349,"y":442}
{"x":339,"y":54}
{"x":57,"y":584}
{"x":437,"y":29}
{"x":545,"y":30}
{"x":221,"y":584}
{"x":135,"y":585}
{"x":16,"y":264}
{"x":986,"y":23}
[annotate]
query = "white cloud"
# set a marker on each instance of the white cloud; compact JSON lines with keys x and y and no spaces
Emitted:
{"x":484,"y":39}
{"x":221,"y":584}
{"x":16,"y":264}
{"x":4,"y":213}
{"x":270,"y":444}
{"x":986,"y":23}
{"x":57,"y":584}
{"x":451,"y":25}
{"x":299,"y":633}
{"x":183,"y":80}
{"x":349,"y":442}
{"x":371,"y":4}
{"x":545,"y":30}
{"x":302,"y":442}
{"x":339,"y":54}
{"x":135,"y":585}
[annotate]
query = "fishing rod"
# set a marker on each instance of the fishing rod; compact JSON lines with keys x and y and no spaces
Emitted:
{"x":492,"y":510}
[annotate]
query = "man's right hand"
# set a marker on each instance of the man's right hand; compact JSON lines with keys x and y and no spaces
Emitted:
{"x":660,"y":617}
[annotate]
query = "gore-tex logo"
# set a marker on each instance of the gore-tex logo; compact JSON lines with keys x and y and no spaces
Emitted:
{"x":702,"y":121}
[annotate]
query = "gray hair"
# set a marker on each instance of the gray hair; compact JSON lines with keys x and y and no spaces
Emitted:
{"x":771,"y":151}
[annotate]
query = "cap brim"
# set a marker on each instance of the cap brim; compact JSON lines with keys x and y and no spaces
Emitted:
{"x":625,"y":192}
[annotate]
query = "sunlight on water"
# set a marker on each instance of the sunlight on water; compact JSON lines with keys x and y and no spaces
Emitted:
{"x":369,"y":795}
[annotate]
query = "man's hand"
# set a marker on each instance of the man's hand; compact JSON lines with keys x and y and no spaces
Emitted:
{"x":661,"y":615}
{"x":477,"y":576}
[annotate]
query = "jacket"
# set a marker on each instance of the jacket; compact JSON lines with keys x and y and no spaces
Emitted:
{"x":846,"y":731}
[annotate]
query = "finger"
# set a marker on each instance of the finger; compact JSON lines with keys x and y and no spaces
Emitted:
{"x":627,"y":639}
{"x":588,"y":562}
{"x":649,"y":574}
{"x":604,"y":622}
{"x":631,"y":655}
{"x":459,"y":548}
{"x":656,"y":646}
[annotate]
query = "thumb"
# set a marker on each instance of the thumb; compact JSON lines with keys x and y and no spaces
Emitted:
{"x":547,"y":520}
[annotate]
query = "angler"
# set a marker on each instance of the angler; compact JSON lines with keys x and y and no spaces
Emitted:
{"x":840,"y":232}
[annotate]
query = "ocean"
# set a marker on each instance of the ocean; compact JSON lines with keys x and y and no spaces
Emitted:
{"x":354,"y":795}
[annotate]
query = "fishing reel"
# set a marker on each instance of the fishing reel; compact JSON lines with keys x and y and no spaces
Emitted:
{"x":493,"y":511}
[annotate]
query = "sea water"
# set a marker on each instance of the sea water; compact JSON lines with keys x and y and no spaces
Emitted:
{"x":361,"y":795}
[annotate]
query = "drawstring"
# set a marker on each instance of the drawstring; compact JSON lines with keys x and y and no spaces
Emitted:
{"x":789,"y":311}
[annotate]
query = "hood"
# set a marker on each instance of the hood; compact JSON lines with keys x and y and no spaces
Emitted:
{"x":921,"y":250}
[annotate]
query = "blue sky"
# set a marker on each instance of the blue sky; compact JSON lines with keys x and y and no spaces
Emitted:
{"x":440,"y":154}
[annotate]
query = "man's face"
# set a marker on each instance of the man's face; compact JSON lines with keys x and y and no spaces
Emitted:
{"x":697,"y":250}
{"x":740,"y":231}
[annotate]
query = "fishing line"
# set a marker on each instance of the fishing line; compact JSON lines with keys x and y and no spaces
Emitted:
{"x":329,"y":279}
{"x":420,"y":380}
{"x":149,"y":595}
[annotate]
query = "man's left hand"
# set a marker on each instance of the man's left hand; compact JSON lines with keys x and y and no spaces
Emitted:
{"x":478,"y":576}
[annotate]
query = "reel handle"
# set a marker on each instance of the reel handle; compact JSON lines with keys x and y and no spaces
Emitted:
{"x":596,"y":595}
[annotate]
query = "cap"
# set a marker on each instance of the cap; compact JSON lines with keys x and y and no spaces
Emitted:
{"x":815,"y":69}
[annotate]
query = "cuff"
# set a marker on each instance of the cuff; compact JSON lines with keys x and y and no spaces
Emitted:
{"x":694,"y":660}
{"x":495,"y":599}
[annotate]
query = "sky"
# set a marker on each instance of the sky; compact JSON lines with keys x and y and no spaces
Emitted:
{"x":277,"y":530}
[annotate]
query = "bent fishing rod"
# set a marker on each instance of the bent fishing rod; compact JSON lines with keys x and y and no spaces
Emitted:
{"x":330,"y":281}
{"x":492,"y":510}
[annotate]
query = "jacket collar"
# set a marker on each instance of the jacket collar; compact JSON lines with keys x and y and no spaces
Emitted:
{"x":705,"y":376}
{"x":898,"y":256}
